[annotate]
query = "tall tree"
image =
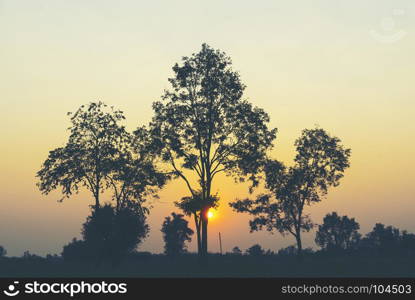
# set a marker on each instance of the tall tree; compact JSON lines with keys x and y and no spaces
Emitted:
{"x":100,"y":154}
{"x":320,"y":163}
{"x":338,"y":232}
{"x":204,"y":127}
{"x":175,"y":234}
{"x":96,"y":136}
{"x":194,"y":206}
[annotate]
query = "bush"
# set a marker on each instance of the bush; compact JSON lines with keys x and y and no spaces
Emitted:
{"x":109,"y":233}
{"x":176,"y":232}
{"x":338,"y":233}
{"x":236,"y":251}
{"x":382,"y":239}
{"x":76,"y":250}
{"x":288,"y":251}
{"x":255,"y":250}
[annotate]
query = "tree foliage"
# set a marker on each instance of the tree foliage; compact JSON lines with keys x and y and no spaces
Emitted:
{"x":382,"y":238}
{"x":175,"y":233}
{"x":76,"y":250}
{"x":255,"y":250}
{"x":3,"y":251}
{"x":96,"y":137}
{"x":110,"y":233}
{"x":134,"y":175}
{"x":99,"y":155}
{"x":236,"y":251}
{"x":338,"y":233}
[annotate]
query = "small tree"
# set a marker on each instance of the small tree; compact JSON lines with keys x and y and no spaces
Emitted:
{"x":319,"y":164}
{"x":175,"y":233}
{"x":255,"y":250}
{"x":408,"y":241}
{"x":338,"y":233}
{"x":3,"y":252}
{"x":204,"y":127}
{"x":383,"y":238}
{"x":288,"y":251}
{"x":76,"y":250}
{"x":269,"y":252}
{"x":112,"y":233}
{"x":236,"y":251}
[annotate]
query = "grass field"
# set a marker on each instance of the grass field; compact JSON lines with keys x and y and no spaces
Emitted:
{"x":218,"y":266}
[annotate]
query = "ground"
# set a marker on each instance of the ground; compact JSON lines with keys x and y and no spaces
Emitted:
{"x":218,"y":266}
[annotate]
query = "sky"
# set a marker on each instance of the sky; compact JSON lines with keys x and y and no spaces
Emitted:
{"x":346,"y":66}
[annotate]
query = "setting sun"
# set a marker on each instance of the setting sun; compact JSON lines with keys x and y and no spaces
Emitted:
{"x":210,"y":214}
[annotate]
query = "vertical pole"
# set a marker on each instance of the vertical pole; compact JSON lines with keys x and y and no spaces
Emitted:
{"x":220,"y":243}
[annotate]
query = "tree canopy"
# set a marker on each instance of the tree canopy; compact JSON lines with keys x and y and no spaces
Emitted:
{"x":100,"y":155}
{"x":338,"y":233}
{"x":96,"y":136}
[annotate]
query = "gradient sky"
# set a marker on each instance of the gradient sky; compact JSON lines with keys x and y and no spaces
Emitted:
{"x":345,"y":65}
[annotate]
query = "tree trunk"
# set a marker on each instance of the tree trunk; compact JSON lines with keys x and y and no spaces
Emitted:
{"x":299,"y":245}
{"x":97,"y":179}
{"x":204,"y":216}
{"x":204,"y":219}
{"x":199,"y":246}
{"x":97,"y":199}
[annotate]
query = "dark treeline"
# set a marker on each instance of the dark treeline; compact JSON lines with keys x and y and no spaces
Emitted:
{"x":384,"y":251}
{"x":201,"y":127}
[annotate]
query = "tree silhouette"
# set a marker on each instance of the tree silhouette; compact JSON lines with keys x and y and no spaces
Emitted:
{"x":175,"y":234}
{"x":3,"y":252}
{"x":236,"y":251}
{"x":269,"y":252}
{"x":100,"y":154}
{"x":255,"y":250}
{"x":133,"y":175}
{"x":319,"y":164}
{"x":194,"y":206}
{"x":408,"y":241}
{"x":88,"y":157}
{"x":288,"y":251}
{"x":338,"y":233}
{"x":111,"y":234}
{"x":76,"y":250}
{"x":204,"y":127}
{"x":383,"y":238}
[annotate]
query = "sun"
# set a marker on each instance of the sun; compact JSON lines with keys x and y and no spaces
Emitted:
{"x":210,"y":214}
